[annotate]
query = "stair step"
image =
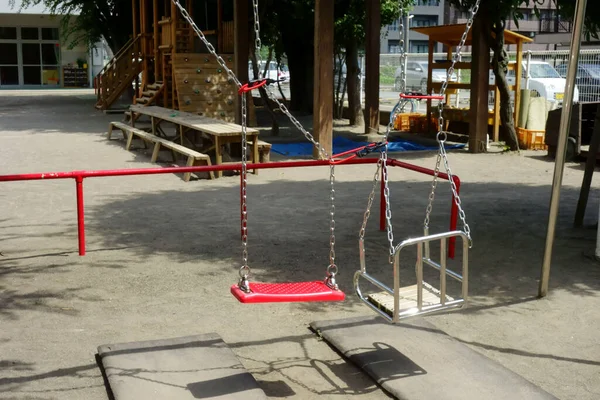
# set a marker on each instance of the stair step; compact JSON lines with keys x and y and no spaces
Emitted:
{"x":149,"y":93}
{"x":142,"y":100}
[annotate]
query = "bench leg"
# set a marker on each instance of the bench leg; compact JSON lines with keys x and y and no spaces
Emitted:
{"x":110,"y":129}
{"x":187,"y":175}
{"x":255,"y":157}
{"x":155,"y":152}
{"x":129,"y":139}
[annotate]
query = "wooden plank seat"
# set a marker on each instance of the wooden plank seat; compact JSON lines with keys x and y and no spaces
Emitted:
{"x":193,"y":157}
{"x":264,"y":151}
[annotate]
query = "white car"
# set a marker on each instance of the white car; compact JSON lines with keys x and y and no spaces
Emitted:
{"x":544,"y":81}
{"x":282,"y":73}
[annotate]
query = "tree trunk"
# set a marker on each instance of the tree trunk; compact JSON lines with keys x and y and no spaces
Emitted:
{"x":352,"y":81}
{"x":297,"y":41}
{"x":500,"y":67}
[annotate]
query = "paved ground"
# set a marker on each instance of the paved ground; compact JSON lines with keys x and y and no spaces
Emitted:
{"x":162,"y":254}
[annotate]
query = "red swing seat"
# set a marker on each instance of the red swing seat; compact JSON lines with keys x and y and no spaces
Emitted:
{"x":287,"y":292}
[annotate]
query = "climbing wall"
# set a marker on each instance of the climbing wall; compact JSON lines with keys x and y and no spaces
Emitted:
{"x":203,"y":87}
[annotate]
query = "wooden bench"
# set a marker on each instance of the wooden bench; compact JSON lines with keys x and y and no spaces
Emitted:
{"x":193,"y":157}
{"x":264,"y":151}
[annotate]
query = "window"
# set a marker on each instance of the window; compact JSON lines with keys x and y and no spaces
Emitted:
{"x":424,"y":20}
{"x":30,"y":33}
{"x":29,"y":56}
{"x":419,"y":46}
{"x":393,"y":46}
{"x":394,"y":26}
{"x":8,"y":33}
{"x":50,"y":34}
{"x":428,"y":3}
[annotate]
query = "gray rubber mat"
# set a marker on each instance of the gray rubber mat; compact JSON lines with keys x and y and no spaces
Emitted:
{"x":416,"y":361}
{"x":193,"y":367}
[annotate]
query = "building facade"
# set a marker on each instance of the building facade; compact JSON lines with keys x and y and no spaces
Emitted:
{"x":439,"y":12}
{"x":33,"y":53}
{"x":424,"y":13}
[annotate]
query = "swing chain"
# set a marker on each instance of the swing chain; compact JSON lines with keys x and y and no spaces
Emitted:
{"x":332,"y":269}
{"x":245,"y":269}
{"x":257,"y":42}
{"x":382,"y":166}
{"x":442,"y":136}
{"x":402,"y":54}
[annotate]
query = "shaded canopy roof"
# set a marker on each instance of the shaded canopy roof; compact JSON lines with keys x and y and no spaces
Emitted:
{"x":450,"y":35}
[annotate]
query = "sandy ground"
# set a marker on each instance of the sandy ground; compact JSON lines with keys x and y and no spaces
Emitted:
{"x":162,"y":254}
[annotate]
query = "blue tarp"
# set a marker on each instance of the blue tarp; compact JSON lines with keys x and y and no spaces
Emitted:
{"x":341,"y":144}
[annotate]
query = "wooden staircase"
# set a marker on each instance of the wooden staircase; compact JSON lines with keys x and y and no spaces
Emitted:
{"x":150,"y":95}
{"x":119,"y":73}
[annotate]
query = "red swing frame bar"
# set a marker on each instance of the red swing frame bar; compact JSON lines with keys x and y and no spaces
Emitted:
{"x":79,"y":177}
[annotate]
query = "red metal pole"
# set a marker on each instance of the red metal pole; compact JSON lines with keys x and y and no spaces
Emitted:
{"x":453,"y":219}
{"x":382,"y":205}
{"x":80,"y":217}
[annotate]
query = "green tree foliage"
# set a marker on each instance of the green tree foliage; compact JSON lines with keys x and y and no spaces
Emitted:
{"x":86,"y":21}
{"x":288,"y":26}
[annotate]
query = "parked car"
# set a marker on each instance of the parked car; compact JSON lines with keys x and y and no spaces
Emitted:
{"x":544,"y":81}
{"x":416,"y":76}
{"x":282,"y":73}
{"x":587,"y":80}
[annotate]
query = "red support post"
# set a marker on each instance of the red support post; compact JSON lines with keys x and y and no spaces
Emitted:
{"x":453,"y":219}
{"x":80,"y":215}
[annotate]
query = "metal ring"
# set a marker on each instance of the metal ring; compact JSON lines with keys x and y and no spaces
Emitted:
{"x":442,"y":136}
{"x":244,"y":272}
{"x":332,"y":269}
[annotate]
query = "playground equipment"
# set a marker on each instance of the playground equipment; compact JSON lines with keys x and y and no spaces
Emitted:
{"x":401,"y":302}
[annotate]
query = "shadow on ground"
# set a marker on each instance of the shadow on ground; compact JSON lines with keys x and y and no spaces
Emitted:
{"x":289,"y":232}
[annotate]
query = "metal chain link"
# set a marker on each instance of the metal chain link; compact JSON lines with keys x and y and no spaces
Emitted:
{"x":257,"y":42}
{"x":402,"y":54}
{"x":245,"y":269}
{"x":382,"y":165}
{"x":332,"y":268}
{"x":441,"y":136}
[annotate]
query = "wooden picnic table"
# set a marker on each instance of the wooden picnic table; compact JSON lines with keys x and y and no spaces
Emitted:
{"x":219,"y":133}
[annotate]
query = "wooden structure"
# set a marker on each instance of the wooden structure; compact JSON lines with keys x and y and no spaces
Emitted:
{"x":450,"y":36}
{"x":162,"y":41}
{"x":173,"y":68}
{"x":199,"y":133}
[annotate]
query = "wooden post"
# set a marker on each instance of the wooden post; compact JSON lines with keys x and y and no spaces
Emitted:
{"x":134,"y":11}
{"x":480,"y":72}
{"x":156,"y":37}
{"x":219,"y":26}
{"x":191,"y":33}
{"x":590,"y":165}
{"x":429,"y":80}
{"x":323,"y":77}
{"x":173,"y":51}
{"x":145,"y":47}
{"x":373,"y":30}
{"x":240,"y":48}
{"x":518,"y":73}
